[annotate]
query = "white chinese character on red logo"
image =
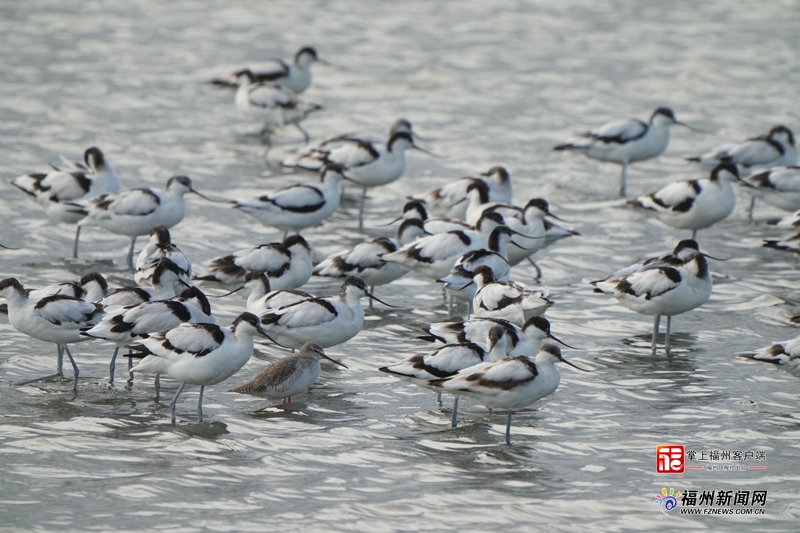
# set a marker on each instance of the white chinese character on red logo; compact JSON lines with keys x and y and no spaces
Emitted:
{"x":670,"y":459}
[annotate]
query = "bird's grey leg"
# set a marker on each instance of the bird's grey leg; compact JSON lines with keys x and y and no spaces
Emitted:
{"x":454,"y":420}
{"x":752,"y":207}
{"x":59,"y":369}
{"x":157,"y":383}
{"x":304,"y":132}
{"x":129,"y":384}
{"x":130,"y":253}
{"x":624,"y":178}
{"x":75,"y":245}
{"x":508,"y":428}
{"x":113,"y":366}
{"x":669,"y":327}
{"x":74,"y":369}
{"x":694,"y":235}
{"x":538,"y":270}
{"x":439,"y":398}
{"x":361,"y":209}
{"x":200,"y":404}
{"x":656,"y":322}
{"x":174,"y":401}
{"x":450,"y":305}
{"x":371,"y":303}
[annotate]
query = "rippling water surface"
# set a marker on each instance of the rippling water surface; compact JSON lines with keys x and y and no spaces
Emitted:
{"x":485,"y":83}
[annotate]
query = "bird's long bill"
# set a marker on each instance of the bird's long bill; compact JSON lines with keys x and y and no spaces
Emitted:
{"x":714,"y":258}
{"x":329,"y":64}
{"x":381,"y":301}
{"x":561,"y":342}
{"x":8,"y":247}
{"x":570,"y":364}
{"x":685,"y":125}
{"x":458,"y":202}
{"x":228,"y":293}
{"x":184,"y":283}
{"x":204,"y":197}
{"x":414,"y":146}
{"x":390,"y":223}
{"x":555,"y":217}
{"x":515,"y":232}
{"x":333,"y":361}
{"x":261,"y":330}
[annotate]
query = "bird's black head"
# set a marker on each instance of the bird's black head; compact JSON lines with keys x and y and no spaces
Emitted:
{"x":724,"y":167}
{"x":193,"y":293}
{"x":778,"y":130}
{"x":485,"y":273}
{"x":180,"y":180}
{"x":257,"y":275}
{"x":10,"y":282}
{"x":248,"y":318}
{"x":500,"y":172}
{"x":667,"y":112}
{"x":538,"y":322}
{"x":296,"y":240}
{"x":354,"y":281}
{"x":95,"y":277}
{"x":418,"y":206}
{"x":164,"y":266}
{"x":93,"y":157}
{"x":483,"y":190}
{"x":306,"y":51}
{"x":161,"y":233}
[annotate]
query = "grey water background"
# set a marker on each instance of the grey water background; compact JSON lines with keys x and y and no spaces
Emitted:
{"x":485,"y":83}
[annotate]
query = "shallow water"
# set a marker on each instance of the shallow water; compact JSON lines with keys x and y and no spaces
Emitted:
{"x":485,"y":84}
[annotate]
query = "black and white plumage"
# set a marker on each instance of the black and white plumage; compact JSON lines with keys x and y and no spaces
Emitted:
{"x":626,"y":141}
{"x":784,"y":355}
{"x":371,"y":164}
{"x":776,"y":148}
{"x":160,"y":247}
{"x":415,"y":209}
{"x":528,"y":222}
{"x":166,"y":283}
{"x":788,"y":244}
{"x":126,"y":324}
{"x":459,"y":282}
{"x":693,"y":204}
{"x":519,"y":340}
{"x":325,"y":321}
{"x":90,"y":287}
{"x":57,"y":318}
{"x":270,"y":104}
{"x":676,"y":258}
{"x":450,"y":201}
{"x":294,"y":75}
{"x":55,"y":191}
{"x":287,"y":264}
{"x":198,"y":354}
{"x":288,"y":376}
{"x":262,"y":298}
{"x":778,"y":186}
{"x":447,"y":360}
{"x":315,"y":157}
{"x":364,"y":261}
{"x":297,"y":207}
{"x":670,"y":289}
{"x":511,"y":383}
{"x":509,"y":300}
{"x":135,"y":212}
{"x":433,"y":256}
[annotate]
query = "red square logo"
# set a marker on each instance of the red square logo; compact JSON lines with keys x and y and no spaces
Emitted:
{"x":670,"y":459}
